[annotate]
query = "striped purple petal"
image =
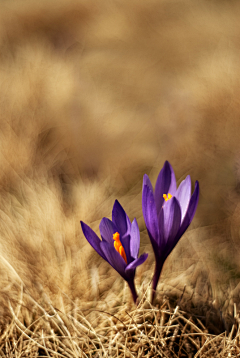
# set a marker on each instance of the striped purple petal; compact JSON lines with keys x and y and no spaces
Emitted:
{"x":170,"y":220}
{"x":166,"y":183}
{"x":126,"y":245}
{"x":114,"y":258}
{"x":146,"y":181}
{"x":183,"y":195}
{"x":93,"y":239}
{"x":107,"y":229}
{"x":135,"y":239}
{"x":150,"y":214}
{"x":120,"y":219}
{"x":190,"y":211}
{"x":133,"y":265}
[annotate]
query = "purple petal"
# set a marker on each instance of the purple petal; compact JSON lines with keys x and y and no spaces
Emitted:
{"x":146,"y":181}
{"x":93,"y":239}
{"x":194,"y":202}
{"x":191,"y":210}
{"x":183,"y":195}
{"x":173,"y":186}
{"x":120,"y":219}
{"x":188,"y":217}
{"x":137,"y":262}
{"x":135,"y":239}
{"x":166,"y":183}
{"x":172,"y":220}
{"x":150,"y":215}
{"x":114,"y":258}
{"x":107,"y":229}
{"x":129,"y":224}
{"x":126,"y":245}
{"x":161,"y":241}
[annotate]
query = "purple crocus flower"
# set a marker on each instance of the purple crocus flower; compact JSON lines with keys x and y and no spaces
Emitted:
{"x":167,"y":211}
{"x":119,"y":245}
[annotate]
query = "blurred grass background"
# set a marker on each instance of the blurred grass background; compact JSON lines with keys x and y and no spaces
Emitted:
{"x":93,"y":94}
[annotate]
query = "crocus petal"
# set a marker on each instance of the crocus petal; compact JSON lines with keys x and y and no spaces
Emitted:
{"x":146,"y":181}
{"x":93,"y":239}
{"x":172,"y":219}
{"x":173,"y":237}
{"x":183,"y":195}
{"x":166,"y":183}
{"x":137,"y":262}
{"x":120,"y":219}
{"x":107,"y":229}
{"x":135,"y":239}
{"x":161,"y":241}
{"x":190,"y":211}
{"x":194,"y":202}
{"x":173,"y":186}
{"x":150,"y":214}
{"x":126,"y":245}
{"x":114,"y":258}
{"x":129,"y":224}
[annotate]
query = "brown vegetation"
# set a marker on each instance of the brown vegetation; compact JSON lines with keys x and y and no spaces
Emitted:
{"x":93,"y":94}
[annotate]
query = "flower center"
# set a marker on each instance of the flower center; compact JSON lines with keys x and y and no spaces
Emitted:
{"x":118,"y":246}
{"x":167,"y":196}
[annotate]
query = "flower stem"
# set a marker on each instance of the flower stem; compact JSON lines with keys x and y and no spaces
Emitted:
{"x":156,"y":276}
{"x":133,"y":291}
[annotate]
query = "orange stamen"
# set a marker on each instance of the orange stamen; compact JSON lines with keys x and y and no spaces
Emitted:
{"x":118,"y":246}
{"x":167,"y":196}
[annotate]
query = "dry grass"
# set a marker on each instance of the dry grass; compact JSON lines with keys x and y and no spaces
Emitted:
{"x":93,"y":94}
{"x":115,"y":330}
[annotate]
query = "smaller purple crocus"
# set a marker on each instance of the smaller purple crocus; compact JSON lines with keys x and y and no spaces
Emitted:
{"x":119,"y":245}
{"x":167,"y":211}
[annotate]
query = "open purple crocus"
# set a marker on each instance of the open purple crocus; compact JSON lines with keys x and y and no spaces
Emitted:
{"x":167,"y":211}
{"x":119,"y":245}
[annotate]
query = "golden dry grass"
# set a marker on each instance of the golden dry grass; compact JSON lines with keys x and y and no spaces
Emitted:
{"x":93,"y":94}
{"x":121,"y":331}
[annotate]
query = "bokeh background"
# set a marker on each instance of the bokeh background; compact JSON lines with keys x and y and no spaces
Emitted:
{"x":93,"y":94}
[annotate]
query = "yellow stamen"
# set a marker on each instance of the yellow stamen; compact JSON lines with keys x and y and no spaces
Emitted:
{"x":167,"y":196}
{"x":118,"y":246}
